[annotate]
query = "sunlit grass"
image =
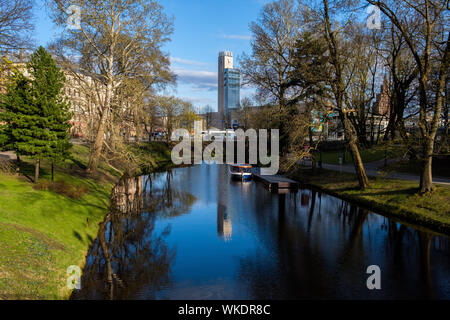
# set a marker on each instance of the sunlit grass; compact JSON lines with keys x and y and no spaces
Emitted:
{"x":388,"y":196}
{"x":43,"y":232}
{"x":53,"y":225}
{"x":375,"y":153}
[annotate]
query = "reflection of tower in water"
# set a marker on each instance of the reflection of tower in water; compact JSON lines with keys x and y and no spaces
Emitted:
{"x":224,"y":226}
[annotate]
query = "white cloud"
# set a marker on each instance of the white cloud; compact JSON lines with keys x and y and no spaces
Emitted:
{"x":237,"y":37}
{"x":197,"y":79}
{"x":187,"y":62}
{"x":200,"y":100}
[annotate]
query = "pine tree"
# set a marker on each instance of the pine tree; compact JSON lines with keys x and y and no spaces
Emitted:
{"x":25,"y":132}
{"x":36,"y":114}
{"x":48,"y":82}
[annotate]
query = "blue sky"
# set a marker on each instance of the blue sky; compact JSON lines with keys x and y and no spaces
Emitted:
{"x":203,"y":28}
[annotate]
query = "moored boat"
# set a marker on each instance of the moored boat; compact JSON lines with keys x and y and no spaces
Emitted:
{"x":240,"y":171}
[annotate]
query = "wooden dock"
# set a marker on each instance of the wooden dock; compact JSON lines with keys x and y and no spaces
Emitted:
{"x":276,"y":182}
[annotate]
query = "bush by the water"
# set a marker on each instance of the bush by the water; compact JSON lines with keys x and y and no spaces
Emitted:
{"x":63,"y":188}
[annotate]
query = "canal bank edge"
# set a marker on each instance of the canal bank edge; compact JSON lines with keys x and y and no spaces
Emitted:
{"x":43,"y":232}
{"x":150,"y":157}
{"x":438,"y":222}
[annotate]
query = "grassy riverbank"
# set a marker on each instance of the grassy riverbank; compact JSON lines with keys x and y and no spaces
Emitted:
{"x":43,"y":227}
{"x":397,"y":198}
{"x":375,"y":153}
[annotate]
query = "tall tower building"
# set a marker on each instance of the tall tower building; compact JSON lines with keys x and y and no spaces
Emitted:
{"x":232,"y":95}
{"x":228,"y":87}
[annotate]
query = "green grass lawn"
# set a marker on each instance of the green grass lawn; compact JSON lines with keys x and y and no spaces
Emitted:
{"x":397,"y":198}
{"x":440,"y":169}
{"x":42,"y":233}
{"x":375,"y":153}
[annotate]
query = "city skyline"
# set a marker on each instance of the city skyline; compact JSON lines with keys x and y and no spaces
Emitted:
{"x":199,"y":35}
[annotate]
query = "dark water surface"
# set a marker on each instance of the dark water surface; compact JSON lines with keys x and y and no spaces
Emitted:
{"x":192,"y":233}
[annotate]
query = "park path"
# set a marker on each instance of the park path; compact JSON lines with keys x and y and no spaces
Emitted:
{"x":372,"y":170}
{"x":8,"y":155}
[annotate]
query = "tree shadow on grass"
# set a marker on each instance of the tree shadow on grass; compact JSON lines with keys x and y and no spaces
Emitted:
{"x":78,"y":236}
{"x":80,"y":164}
{"x":27,"y":170}
{"x":405,"y":191}
{"x":344,"y":189}
{"x":93,"y":187}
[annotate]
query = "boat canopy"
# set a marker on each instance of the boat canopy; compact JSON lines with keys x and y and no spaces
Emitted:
{"x":243,"y":166}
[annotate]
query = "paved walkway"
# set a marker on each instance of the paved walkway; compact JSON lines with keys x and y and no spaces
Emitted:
{"x":372,"y":170}
{"x":8,"y":155}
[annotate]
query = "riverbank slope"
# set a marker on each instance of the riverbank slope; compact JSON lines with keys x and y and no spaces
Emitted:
{"x":47,"y":227}
{"x":396,"y":198}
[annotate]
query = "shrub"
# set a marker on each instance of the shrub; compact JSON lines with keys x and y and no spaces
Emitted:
{"x":63,"y":188}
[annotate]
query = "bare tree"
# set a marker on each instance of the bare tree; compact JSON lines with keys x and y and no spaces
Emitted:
{"x":270,"y":66}
{"x":403,"y":76}
{"x":339,"y":51}
{"x":187,"y":116}
{"x":15,"y":24}
{"x":430,"y":50}
{"x":116,"y":40}
{"x":311,"y":73}
{"x":360,"y":94}
{"x":245,"y":110}
{"x":169,"y":109}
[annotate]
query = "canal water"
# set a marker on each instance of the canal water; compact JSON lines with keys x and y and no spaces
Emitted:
{"x":193,"y":233}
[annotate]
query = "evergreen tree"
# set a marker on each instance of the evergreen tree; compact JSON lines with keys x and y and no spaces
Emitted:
{"x":25,"y":132}
{"x":48,"y":82}
{"x":3,"y":134}
{"x":36,"y":114}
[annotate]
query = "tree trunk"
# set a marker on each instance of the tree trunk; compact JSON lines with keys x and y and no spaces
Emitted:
{"x":356,"y":157}
{"x":53,"y":172}
{"x":36,"y":171}
{"x":426,"y":178}
{"x":339,"y":89}
{"x":359,"y":166}
{"x":390,"y":128}
{"x":96,"y":151}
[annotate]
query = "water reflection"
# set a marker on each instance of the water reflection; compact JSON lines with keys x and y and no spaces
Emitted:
{"x":192,"y":233}
{"x":224,"y":225}
{"x":129,"y":257}
{"x":325,"y":256}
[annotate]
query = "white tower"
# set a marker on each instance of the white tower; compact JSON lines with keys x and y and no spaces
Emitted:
{"x":225,"y":62}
